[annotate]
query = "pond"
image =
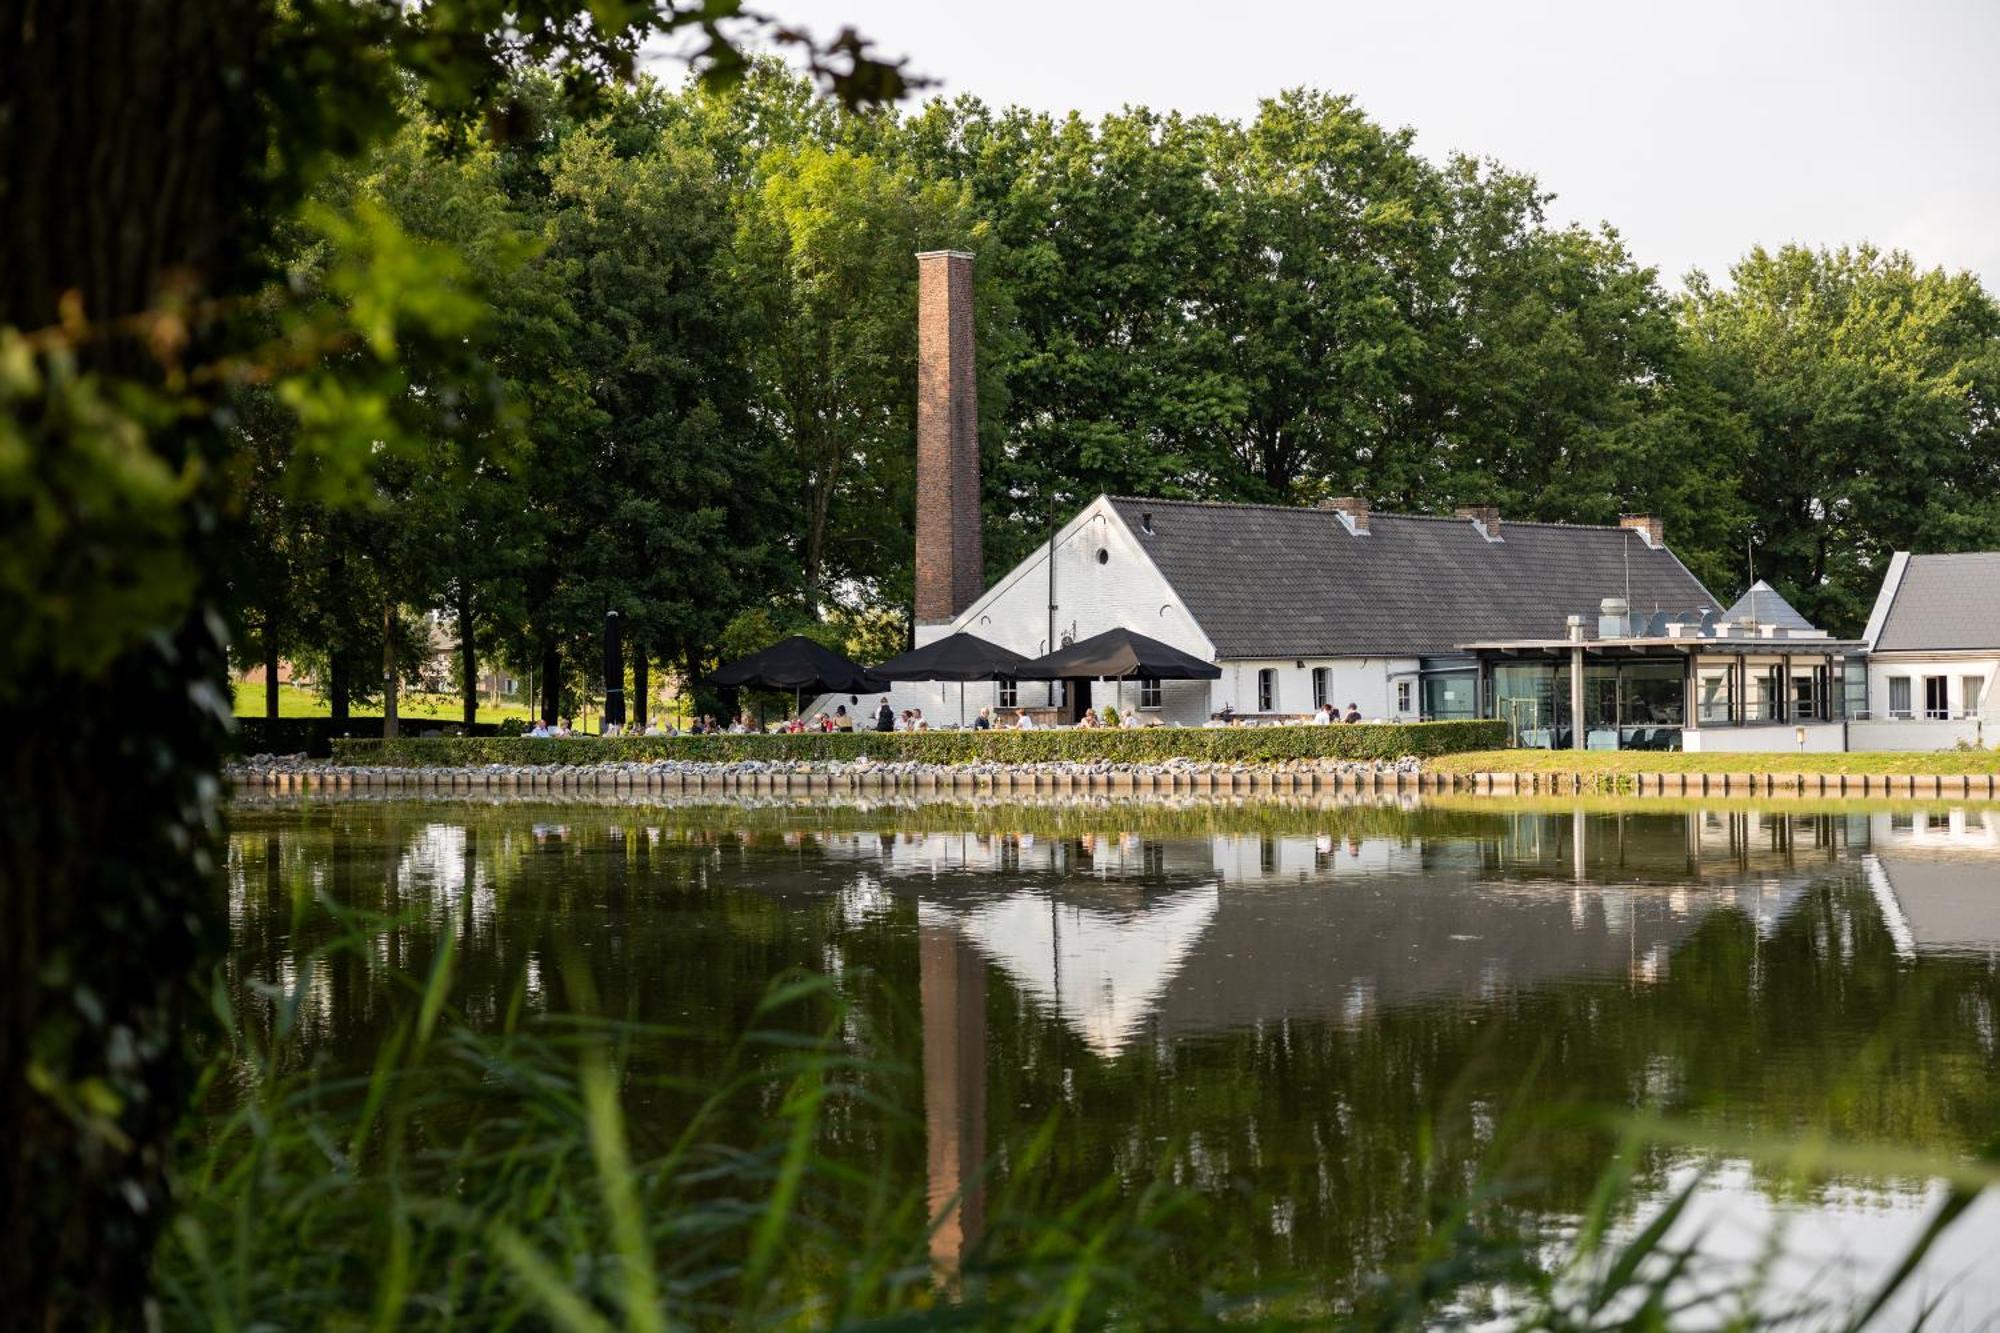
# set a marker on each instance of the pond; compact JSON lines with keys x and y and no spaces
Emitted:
{"x":1321,"y":1021}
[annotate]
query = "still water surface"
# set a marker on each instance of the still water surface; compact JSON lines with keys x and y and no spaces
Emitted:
{"x":1302,"y":1012}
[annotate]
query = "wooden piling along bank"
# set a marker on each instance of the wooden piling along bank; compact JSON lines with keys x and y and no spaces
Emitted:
{"x":1034,"y":782}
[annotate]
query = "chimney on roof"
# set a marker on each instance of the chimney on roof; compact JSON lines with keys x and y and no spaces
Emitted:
{"x":1353,"y":511}
{"x":1651,"y":528}
{"x":1484,"y":517}
{"x":950,"y":566}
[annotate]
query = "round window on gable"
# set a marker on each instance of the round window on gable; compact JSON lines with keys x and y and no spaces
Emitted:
{"x":1103,"y":556}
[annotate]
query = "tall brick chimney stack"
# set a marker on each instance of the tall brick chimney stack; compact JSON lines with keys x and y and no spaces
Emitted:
{"x":949,"y":561}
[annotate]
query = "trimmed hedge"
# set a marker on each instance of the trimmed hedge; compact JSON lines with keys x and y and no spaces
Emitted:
{"x":314,"y":736}
{"x":1247,"y":745}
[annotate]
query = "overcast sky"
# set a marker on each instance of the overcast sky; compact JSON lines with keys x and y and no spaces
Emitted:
{"x":1696,"y":128}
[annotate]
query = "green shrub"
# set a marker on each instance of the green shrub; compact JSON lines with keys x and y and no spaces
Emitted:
{"x":1124,"y":745}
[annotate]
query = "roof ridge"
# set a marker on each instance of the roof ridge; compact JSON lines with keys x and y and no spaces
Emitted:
{"x":1505,"y":522}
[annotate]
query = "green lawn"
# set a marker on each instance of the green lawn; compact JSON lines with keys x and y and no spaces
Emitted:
{"x":1940,"y":762}
{"x":296,"y":702}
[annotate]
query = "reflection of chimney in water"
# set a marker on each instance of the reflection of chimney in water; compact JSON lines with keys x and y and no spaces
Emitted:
{"x":952,"y":987}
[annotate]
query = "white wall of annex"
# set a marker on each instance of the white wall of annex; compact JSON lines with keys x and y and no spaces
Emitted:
{"x":1953,"y":669}
{"x":1369,"y":682}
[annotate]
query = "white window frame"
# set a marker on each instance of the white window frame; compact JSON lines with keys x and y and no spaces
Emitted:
{"x":1322,"y":679}
{"x":1010,"y":693}
{"x":1969,"y":690}
{"x":1149,"y":692}
{"x":1267,"y":689}
{"x":1404,"y":689}
{"x":1907,"y":709}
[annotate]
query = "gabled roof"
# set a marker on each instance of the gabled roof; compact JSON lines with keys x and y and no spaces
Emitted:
{"x":1765,"y":605}
{"x":1943,"y":603}
{"x":1278,"y":581}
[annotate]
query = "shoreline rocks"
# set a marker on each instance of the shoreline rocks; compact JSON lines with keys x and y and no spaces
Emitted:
{"x":267,"y":768}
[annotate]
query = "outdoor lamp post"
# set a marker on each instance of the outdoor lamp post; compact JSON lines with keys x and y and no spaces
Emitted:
{"x":1799,"y":735}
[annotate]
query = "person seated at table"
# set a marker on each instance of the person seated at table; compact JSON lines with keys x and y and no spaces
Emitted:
{"x":842,"y":721}
{"x":1353,"y":712}
{"x":984,"y":722}
{"x":654,"y":728}
{"x":1323,"y":716}
{"x":1088,"y":722}
{"x":541,"y":729}
{"x":1022,"y":722}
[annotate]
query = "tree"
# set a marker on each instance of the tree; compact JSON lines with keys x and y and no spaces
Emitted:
{"x":826,"y":246}
{"x":146,"y":154}
{"x":1871,"y":389}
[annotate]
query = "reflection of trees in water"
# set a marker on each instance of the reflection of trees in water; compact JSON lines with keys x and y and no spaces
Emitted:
{"x":1320,"y":1138}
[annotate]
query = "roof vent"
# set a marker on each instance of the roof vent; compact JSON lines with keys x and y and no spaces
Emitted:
{"x":1613,"y":619}
{"x":1353,"y":511}
{"x":1484,"y":517}
{"x":1146,"y":523}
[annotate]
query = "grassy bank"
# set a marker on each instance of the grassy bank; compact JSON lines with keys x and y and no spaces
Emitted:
{"x":1135,"y":745}
{"x":415,"y":705}
{"x":1615,"y":762}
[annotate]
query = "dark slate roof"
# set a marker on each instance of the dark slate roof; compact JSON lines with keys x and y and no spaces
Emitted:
{"x":1767,"y":606}
{"x":1277,"y":581}
{"x":1945,"y":603}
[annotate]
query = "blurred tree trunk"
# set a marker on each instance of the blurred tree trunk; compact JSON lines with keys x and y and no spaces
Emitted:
{"x":271,"y":664}
{"x":131,"y":138}
{"x":389,"y":672}
{"x":551,"y":683}
{"x":468,"y":656}
{"x":640,"y":687}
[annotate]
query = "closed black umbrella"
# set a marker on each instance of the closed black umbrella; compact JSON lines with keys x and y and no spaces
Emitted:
{"x":1118,"y":654}
{"x":960,"y":657}
{"x":797,"y":664}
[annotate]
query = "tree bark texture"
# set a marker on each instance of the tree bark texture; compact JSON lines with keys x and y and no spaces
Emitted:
{"x":130,"y":146}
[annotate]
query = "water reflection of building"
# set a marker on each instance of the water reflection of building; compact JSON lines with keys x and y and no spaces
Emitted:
{"x":1124,"y":938}
{"x":1935,"y":875}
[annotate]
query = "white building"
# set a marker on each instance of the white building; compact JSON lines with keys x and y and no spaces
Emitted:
{"x":1933,"y":655}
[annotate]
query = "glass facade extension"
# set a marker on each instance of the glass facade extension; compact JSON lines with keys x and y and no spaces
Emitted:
{"x":1627,"y":705}
{"x":1645,"y":700}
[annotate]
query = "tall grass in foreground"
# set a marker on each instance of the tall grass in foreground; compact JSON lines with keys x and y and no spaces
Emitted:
{"x":504,"y":1179}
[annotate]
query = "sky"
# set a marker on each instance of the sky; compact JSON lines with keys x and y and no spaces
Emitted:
{"x":1698,"y":129}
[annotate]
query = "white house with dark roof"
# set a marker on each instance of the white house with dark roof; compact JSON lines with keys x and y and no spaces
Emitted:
{"x":1934,"y":654}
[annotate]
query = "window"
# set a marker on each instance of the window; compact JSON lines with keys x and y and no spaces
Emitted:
{"x":1149,"y":693}
{"x":1935,"y":702}
{"x":1805,"y":695}
{"x":1969,"y":689}
{"x":1714,"y":693}
{"x":1267,"y":690}
{"x":1402,"y":697}
{"x":1322,"y":686}
{"x":1010,"y":694}
{"x":1059,"y":694}
{"x":1899,"y":696}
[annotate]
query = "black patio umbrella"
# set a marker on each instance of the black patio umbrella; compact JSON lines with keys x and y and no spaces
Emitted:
{"x":1118,"y":654}
{"x":797,"y":664}
{"x":960,"y":657}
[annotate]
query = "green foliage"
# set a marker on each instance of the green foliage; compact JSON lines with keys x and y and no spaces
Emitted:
{"x":1124,"y":745}
{"x":1870,"y":388}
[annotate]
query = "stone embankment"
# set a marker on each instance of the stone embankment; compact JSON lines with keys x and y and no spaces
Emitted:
{"x":296,"y":773}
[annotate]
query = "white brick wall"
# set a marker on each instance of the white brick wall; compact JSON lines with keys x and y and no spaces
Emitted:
{"x":1124,"y":588}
